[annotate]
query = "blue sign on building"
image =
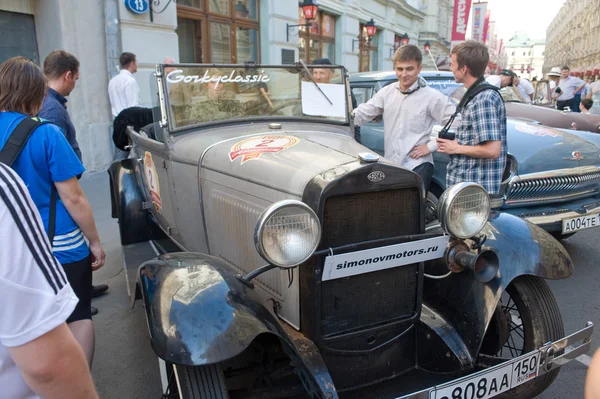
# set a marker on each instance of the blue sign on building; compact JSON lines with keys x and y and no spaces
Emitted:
{"x":137,"y":6}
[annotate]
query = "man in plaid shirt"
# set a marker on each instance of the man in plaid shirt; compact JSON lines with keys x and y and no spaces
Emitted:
{"x":479,"y":152}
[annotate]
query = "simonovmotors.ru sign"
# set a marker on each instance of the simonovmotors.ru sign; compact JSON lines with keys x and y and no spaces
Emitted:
{"x":460,"y":20}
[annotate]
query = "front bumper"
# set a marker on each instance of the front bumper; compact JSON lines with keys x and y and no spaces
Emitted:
{"x":573,"y":346}
{"x":550,"y":217}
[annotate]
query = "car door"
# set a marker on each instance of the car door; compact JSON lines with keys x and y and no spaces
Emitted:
{"x":153,"y":157}
{"x":371,"y":133}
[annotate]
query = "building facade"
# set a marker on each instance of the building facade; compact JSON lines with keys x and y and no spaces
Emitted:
{"x":437,"y":30}
{"x":573,"y":37}
{"x":205,"y":31}
{"x":525,"y":56}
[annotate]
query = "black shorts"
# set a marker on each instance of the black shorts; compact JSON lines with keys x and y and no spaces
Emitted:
{"x":79,"y":275}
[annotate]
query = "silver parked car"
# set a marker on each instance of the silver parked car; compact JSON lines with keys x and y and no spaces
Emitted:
{"x":278,"y":258}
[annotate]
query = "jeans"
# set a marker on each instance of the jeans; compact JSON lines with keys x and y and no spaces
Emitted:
{"x":425,"y":170}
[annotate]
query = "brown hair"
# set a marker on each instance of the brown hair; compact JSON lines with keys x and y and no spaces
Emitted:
{"x":22,"y":86}
{"x":58,"y":62}
{"x":474,"y":55}
{"x":408,"y":52}
{"x":125,"y":59}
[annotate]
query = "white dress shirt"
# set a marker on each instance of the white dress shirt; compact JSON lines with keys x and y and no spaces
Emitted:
{"x":408,"y":120}
{"x":568,"y":86}
{"x":124,"y":92}
{"x":526,"y":89}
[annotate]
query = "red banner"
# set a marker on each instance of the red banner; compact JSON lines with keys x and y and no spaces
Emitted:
{"x":460,"y":20}
{"x":486,"y":25}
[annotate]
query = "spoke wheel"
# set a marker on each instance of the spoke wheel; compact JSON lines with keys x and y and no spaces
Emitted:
{"x":526,"y":319}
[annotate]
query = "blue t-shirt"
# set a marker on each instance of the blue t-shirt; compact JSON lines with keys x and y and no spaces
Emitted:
{"x":48,"y":157}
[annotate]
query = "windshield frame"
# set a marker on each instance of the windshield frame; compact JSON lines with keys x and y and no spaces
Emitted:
{"x":167,"y":116}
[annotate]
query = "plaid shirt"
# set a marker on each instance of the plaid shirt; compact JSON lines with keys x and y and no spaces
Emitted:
{"x":483,"y":119}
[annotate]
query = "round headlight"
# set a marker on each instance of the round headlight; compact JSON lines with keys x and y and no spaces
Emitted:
{"x":287,"y":234}
{"x":463,"y":209}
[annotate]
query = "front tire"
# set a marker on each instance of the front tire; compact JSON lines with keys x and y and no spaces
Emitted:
{"x":200,"y":382}
{"x":533,"y":318}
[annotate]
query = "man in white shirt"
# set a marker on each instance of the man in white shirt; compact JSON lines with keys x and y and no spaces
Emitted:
{"x":123,"y":89}
{"x":525,"y":87}
{"x":39,"y":357}
{"x":504,"y":79}
{"x":410,"y":109}
{"x":567,"y":87}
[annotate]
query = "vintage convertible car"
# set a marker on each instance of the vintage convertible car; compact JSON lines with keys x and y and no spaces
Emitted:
{"x":276,"y":257}
{"x":554,"y":181}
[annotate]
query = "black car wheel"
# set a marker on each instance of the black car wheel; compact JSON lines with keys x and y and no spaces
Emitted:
{"x":527,"y":318}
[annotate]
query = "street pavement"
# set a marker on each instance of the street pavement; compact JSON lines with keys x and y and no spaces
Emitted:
{"x":126,"y":368}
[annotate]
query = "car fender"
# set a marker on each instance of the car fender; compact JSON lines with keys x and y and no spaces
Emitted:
{"x":522,"y":249}
{"x":198,"y":311}
{"x":127,"y":202}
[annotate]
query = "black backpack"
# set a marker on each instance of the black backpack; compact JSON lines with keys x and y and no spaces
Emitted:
{"x":12,"y":149}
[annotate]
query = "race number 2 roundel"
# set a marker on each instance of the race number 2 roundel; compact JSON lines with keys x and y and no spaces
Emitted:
{"x":255,"y":147}
{"x":152,"y":181}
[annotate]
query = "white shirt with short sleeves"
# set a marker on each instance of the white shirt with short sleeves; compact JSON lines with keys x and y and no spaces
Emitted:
{"x":123,"y":91}
{"x":568,"y":86}
{"x":526,"y":89}
{"x":408,"y":120}
{"x":494,"y":80}
{"x":34,"y":292}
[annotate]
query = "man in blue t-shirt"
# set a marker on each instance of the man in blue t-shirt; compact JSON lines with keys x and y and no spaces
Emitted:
{"x":62,"y":71}
{"x":48,"y":160}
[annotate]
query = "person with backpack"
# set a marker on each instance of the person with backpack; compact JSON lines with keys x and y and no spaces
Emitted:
{"x":479,"y":152}
{"x":41,"y":155}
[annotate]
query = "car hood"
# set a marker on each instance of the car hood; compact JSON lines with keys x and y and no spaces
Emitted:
{"x":553,"y":117}
{"x":539,"y":148}
{"x":285,"y":160}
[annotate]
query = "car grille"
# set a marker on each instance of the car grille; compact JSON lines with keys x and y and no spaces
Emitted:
{"x":548,"y":189}
{"x":369,"y":299}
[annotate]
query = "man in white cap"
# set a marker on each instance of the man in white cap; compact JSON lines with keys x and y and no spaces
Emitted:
{"x":504,"y":79}
{"x":525,"y":87}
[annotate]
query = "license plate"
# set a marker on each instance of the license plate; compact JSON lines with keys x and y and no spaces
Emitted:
{"x":580,"y":223}
{"x":493,"y":382}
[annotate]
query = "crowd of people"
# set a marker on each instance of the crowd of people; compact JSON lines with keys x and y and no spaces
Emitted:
{"x":50,"y":243}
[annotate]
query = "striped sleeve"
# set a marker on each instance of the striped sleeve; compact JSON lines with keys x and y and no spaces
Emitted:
{"x":34,"y":291}
{"x":26,"y":220}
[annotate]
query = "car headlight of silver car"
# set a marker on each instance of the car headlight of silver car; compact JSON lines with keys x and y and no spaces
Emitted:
{"x":287,"y":233}
{"x":463,"y":209}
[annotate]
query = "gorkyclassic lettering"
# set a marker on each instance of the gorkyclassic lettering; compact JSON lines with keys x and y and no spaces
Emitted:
{"x":177,"y":76}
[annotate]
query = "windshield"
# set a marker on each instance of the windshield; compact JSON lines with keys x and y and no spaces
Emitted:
{"x":203,"y":94}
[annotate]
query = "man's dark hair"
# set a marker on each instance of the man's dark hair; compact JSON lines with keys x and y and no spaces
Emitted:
{"x":587,"y":103}
{"x":125,"y":59}
{"x":22,"y":86}
{"x":474,"y":55}
{"x":408,"y":52}
{"x":58,"y":62}
{"x":321,"y":61}
{"x":565,"y":68}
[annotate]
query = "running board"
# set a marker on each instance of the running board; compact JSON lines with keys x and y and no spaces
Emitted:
{"x":133,"y":256}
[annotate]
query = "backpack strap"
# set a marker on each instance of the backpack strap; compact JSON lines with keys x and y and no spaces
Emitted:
{"x":469,"y":95}
{"x":18,"y":138}
{"x":11,"y":151}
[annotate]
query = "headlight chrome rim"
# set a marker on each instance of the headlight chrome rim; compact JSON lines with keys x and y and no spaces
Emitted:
{"x":446,"y":201}
{"x":267,"y":214}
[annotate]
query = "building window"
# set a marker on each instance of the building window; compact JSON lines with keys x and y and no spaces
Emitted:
{"x":367,"y":59}
{"x":219,"y":31}
{"x":318,"y":41}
